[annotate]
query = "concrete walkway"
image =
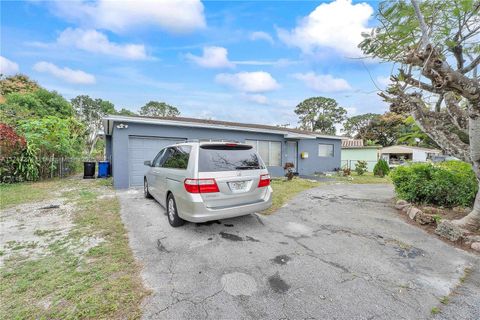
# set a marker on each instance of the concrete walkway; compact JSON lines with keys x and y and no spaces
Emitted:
{"x":334,"y":252}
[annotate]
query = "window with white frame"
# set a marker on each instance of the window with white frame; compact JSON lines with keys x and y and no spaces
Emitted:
{"x":325,"y":150}
{"x":269,"y":151}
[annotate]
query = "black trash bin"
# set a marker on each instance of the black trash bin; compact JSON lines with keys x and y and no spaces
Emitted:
{"x":89,"y":170}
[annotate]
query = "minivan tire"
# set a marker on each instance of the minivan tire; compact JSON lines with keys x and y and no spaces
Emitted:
{"x":172,"y":212}
{"x":146,"y":192}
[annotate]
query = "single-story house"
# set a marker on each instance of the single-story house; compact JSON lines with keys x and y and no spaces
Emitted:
{"x":396,"y":155}
{"x":353,"y":150}
{"x":130,"y":140}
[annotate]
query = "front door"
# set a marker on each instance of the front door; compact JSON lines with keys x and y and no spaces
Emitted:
{"x":292,"y":153}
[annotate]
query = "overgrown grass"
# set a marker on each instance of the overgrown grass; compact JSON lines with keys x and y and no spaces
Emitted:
{"x":366,"y":178}
{"x":102,"y":283}
{"x":284,"y":190}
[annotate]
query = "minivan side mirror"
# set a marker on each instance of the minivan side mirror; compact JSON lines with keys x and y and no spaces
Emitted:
{"x":148,"y":163}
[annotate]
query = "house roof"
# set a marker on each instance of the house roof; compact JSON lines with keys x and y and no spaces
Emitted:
{"x":407,"y":149}
{"x":214,"y":124}
{"x":352,"y":143}
{"x":356,"y":144}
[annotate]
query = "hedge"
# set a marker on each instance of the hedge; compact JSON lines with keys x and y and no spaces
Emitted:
{"x":448,"y":184}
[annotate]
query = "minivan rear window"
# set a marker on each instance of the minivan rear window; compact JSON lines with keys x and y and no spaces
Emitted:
{"x":213,"y":158}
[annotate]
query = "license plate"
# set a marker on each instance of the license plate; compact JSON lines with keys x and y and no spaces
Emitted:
{"x":238,"y":185}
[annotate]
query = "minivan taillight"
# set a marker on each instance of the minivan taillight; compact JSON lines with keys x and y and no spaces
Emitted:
{"x":201,"y":185}
{"x":264,"y":180}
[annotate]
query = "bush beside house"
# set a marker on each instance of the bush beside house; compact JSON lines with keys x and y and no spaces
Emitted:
{"x":448,"y":184}
{"x":381,"y":169}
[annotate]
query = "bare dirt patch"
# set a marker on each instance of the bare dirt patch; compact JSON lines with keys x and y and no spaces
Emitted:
{"x":29,"y":229}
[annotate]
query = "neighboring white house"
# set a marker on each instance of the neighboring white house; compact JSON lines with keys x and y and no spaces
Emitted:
{"x":396,"y":155}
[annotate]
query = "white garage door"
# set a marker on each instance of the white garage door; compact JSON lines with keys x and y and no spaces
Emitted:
{"x":141,"y":149}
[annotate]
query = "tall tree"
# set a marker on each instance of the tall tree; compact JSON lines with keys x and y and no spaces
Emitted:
{"x":17,"y":83}
{"x":354,"y":126}
{"x":90,"y":112}
{"x":125,"y":112}
{"x":320,"y":114}
{"x":159,"y":109}
{"x":384,"y":130}
{"x":435,"y":42}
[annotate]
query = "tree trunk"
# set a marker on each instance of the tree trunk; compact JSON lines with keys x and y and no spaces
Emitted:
{"x":472,"y":220}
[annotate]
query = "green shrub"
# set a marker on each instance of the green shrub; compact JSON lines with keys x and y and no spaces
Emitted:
{"x":449,"y":184}
{"x":361,"y":167}
{"x":381,"y":169}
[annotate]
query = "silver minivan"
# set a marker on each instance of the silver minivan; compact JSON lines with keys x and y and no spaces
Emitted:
{"x":202,"y":181}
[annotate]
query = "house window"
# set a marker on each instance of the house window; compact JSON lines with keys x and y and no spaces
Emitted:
{"x":269,"y":151}
{"x":325,"y":150}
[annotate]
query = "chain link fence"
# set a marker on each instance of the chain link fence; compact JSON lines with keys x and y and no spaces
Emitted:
{"x":350,"y":164}
{"x":18,"y":169}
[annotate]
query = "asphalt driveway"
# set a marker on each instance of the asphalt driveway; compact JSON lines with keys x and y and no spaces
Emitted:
{"x":334,"y":252}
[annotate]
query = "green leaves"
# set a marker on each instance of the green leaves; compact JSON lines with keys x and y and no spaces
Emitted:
{"x":398,"y":28}
{"x":53,"y":136}
{"x":320,"y":114}
{"x":159,"y":109}
{"x":449,"y":184}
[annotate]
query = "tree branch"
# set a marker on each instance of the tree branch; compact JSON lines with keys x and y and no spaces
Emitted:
{"x":407,"y":78}
{"x":423,"y":26}
{"x":471,"y":66}
{"x":458,"y":115}
{"x":437,"y":125}
{"x":443,"y":77}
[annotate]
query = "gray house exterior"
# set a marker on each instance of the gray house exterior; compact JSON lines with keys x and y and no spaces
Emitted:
{"x":130,"y":140}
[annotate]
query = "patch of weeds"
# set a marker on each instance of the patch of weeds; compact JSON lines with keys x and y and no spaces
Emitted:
{"x":444,"y":300}
{"x":108,"y":182}
{"x":437,"y":218}
{"x":2,"y":253}
{"x":404,"y":286}
{"x":366,"y":178}
{"x":466,"y":273}
{"x":435,"y":310}
{"x":87,"y":195}
{"x":40,"y":232}
{"x":22,"y":245}
{"x":401,"y":244}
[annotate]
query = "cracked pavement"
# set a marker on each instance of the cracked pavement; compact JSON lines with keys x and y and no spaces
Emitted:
{"x":333,"y":252}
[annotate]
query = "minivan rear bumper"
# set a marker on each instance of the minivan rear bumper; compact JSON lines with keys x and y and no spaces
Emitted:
{"x":198,"y":212}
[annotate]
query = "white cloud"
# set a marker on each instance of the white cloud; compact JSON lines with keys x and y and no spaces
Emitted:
{"x":257,"y":98}
{"x":177,"y":16}
{"x":336,"y":25}
{"x":251,"y":82}
{"x":275,"y":63}
{"x":260,"y":35}
{"x":97,"y":42}
{"x":8,"y":67}
{"x":383,"y":81}
{"x":213,"y":57}
{"x":66,"y":74}
{"x":322,"y":82}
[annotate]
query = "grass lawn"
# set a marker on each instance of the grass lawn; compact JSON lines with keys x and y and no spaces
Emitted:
{"x":99,"y":282}
{"x":17,"y":193}
{"x":366,"y":178}
{"x":284,"y":190}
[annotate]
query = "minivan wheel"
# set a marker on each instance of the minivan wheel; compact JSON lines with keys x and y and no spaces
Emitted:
{"x":172,"y":213}
{"x":146,"y":193}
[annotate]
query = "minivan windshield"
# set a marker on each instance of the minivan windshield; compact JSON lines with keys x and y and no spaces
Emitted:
{"x":213,"y":158}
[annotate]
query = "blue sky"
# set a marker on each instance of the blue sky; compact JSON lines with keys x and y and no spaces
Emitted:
{"x":241,"y":61}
